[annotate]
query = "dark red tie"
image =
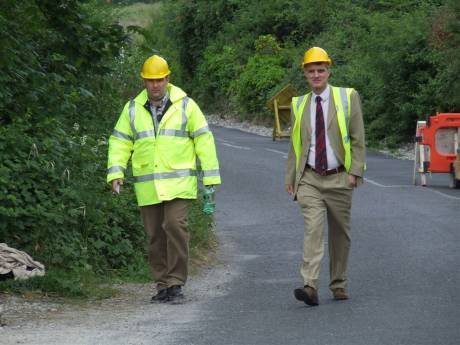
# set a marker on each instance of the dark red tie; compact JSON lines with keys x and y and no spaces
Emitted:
{"x":320,"y":132}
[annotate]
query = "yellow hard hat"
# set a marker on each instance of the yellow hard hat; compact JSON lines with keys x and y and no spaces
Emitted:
{"x":316,"y":54}
{"x":155,"y":67}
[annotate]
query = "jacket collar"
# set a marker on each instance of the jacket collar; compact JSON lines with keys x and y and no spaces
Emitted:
{"x":175,"y":94}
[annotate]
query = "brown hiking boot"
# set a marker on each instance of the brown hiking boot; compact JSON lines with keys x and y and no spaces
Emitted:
{"x":340,"y":294}
{"x":308,"y":295}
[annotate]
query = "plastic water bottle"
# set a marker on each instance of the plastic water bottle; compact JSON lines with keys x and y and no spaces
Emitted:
{"x":209,"y":202}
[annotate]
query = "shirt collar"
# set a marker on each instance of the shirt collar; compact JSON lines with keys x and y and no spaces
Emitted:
{"x":164,"y":100}
{"x":324,"y":95}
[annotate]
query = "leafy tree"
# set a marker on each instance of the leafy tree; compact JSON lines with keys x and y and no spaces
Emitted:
{"x":54,"y":202}
{"x":399,"y":54}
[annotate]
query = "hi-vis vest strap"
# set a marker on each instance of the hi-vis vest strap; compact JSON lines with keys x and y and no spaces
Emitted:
{"x":342,"y":103}
{"x":171,"y":132}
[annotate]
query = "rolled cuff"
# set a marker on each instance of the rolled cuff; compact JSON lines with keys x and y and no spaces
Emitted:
{"x":115,"y":175}
{"x":208,"y":180}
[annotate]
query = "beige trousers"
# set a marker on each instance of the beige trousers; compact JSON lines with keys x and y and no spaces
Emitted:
{"x":166,"y":228}
{"x":322,"y":197}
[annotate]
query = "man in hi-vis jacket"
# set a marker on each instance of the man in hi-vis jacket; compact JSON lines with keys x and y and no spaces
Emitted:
{"x":325,"y":163}
{"x":163,"y":131}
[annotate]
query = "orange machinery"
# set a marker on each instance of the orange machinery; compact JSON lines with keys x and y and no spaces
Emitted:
{"x":437,"y":147}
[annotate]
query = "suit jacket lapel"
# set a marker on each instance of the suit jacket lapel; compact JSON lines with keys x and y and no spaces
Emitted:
{"x":331,"y":112}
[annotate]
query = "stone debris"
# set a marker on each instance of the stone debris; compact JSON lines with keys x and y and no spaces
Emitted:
{"x":244,"y":126}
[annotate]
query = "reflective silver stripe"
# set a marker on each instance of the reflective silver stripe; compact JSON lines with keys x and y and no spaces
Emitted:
{"x":144,"y":134}
{"x":207,"y":173}
{"x":132,"y":115}
{"x":162,"y":176}
{"x":114,"y":169}
{"x":182,"y":132}
{"x":121,"y":135}
{"x":299,"y":101}
{"x":200,"y":131}
{"x":184,"y":114}
{"x":174,"y":133}
{"x":344,"y":99}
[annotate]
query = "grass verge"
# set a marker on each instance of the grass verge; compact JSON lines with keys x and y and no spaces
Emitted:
{"x":85,"y":283}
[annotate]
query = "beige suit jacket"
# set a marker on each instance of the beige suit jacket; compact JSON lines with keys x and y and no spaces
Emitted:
{"x":356,"y":128}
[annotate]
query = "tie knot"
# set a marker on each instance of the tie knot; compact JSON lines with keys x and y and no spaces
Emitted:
{"x":318,"y":99}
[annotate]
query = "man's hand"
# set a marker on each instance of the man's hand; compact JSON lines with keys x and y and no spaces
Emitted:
{"x":290,"y":189}
{"x":116,"y":184}
{"x":352,"y":180}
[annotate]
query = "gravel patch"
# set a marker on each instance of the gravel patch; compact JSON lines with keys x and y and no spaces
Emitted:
{"x":128,"y":318}
{"x":244,"y":126}
{"x":405,"y":151}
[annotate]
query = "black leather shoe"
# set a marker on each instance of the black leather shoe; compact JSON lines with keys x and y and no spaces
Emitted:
{"x":175,"y":293}
{"x":340,"y":294}
{"x":308,"y":295}
{"x":161,"y":296}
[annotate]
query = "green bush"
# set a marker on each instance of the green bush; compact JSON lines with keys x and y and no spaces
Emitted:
{"x":400,"y":55}
{"x":258,"y":78}
{"x":66,"y":72}
{"x":58,"y":104}
{"x":263,"y":73}
{"x":215,"y":74}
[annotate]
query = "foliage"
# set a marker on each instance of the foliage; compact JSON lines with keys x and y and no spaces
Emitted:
{"x":401,"y":55}
{"x":191,"y":24}
{"x":262,"y":73}
{"x":445,"y":42}
{"x":66,"y":72}
{"x":199,"y":225}
{"x":79,"y":283}
{"x":219,"y":65}
{"x":62,"y":73}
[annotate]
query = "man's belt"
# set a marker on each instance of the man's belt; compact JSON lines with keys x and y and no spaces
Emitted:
{"x":327,"y":172}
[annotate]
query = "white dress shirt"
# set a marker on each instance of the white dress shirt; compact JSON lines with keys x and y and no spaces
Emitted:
{"x":332,"y":161}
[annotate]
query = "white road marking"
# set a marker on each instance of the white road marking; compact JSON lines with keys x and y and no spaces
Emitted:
{"x":236,"y":146}
{"x":410,"y":186}
{"x":280,"y":152}
{"x":384,"y":186}
{"x":442,"y":194}
{"x":223,"y":140}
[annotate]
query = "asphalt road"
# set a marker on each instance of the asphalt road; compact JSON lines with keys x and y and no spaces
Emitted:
{"x":404,"y":269}
{"x":404,"y":272}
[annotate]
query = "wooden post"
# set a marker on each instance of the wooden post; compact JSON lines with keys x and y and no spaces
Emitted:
{"x":422,"y":160}
{"x":419,"y":155}
{"x":277,"y":120}
{"x":414,"y":173}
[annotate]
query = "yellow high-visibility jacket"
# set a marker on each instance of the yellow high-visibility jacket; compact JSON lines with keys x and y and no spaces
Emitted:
{"x":163,"y":163}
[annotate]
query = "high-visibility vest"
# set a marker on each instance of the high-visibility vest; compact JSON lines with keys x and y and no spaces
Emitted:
{"x":163,"y":161}
{"x":341,"y":96}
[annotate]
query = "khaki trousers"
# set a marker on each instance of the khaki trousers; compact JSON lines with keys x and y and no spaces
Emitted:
{"x":166,"y":228}
{"x":322,"y":197}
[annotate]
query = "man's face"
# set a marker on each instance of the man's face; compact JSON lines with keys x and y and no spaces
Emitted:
{"x":317,"y":75}
{"x":156,"y":88}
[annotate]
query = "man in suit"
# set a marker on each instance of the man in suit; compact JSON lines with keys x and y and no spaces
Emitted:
{"x":325,"y":163}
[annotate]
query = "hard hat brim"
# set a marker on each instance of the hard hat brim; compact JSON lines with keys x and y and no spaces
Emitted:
{"x":329,"y":62}
{"x":154,"y":76}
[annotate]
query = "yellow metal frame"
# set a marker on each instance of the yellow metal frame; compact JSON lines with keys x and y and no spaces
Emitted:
{"x":280,"y":104}
{"x":278,"y":132}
